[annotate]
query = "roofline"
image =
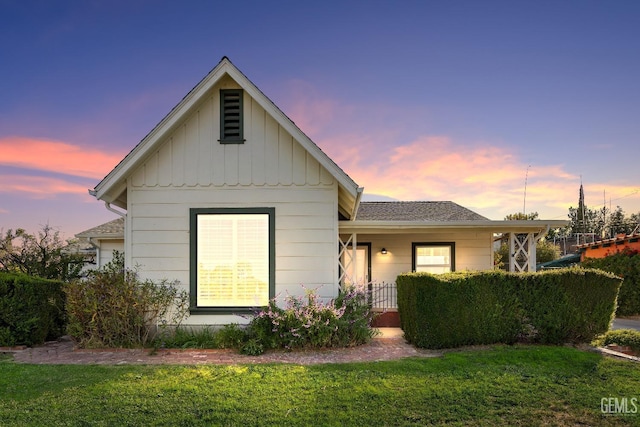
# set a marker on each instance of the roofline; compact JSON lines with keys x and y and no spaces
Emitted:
{"x":619,"y":238}
{"x":103,"y":236}
{"x":487,"y":225}
{"x":225,"y":66}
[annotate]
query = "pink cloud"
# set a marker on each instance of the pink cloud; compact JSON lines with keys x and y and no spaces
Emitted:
{"x":481,"y":177}
{"x":39,"y":187}
{"x":56,"y":156}
{"x":401,"y":162}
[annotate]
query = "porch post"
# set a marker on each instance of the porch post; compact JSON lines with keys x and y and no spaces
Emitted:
{"x":532,"y":252}
{"x":347,"y":264}
{"x":522,"y":252}
{"x":354,"y":259}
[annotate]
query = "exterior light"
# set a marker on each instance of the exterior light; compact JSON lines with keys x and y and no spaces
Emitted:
{"x":383,"y":251}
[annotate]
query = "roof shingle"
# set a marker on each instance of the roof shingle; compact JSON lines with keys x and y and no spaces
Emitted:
{"x":416,"y":211}
{"x":113,"y":229}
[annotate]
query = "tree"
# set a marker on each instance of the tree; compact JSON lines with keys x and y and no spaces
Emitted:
{"x":546,"y":251}
{"x":519,"y":216}
{"x":44,"y":255}
{"x":619,"y":224}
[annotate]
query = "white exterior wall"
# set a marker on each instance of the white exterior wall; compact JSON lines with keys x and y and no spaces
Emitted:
{"x":191,"y":169}
{"x":106,"y":251}
{"x":473,"y":251}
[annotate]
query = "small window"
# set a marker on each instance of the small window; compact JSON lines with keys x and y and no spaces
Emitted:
{"x":433,"y":257}
{"x":231,"y":116}
{"x":232,"y":259}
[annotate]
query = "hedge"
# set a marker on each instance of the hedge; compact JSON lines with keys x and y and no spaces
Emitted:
{"x":471,"y":308}
{"x":625,"y":264}
{"x":622,"y":337}
{"x":32,"y":309}
{"x":457,"y":309}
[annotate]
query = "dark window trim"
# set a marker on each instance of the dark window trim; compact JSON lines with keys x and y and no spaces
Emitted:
{"x":450,"y":244}
{"x":240,"y":138}
{"x":193,"y":257}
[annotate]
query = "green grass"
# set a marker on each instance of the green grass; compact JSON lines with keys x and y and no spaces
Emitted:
{"x":511,"y":385}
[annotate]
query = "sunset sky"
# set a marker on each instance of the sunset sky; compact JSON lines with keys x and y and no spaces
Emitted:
{"x":415,"y":100}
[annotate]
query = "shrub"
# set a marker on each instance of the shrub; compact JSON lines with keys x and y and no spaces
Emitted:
{"x":458,"y":309}
{"x":571,"y":305}
{"x":309,"y":323}
{"x":114,"y":308}
{"x":625,"y":264}
{"x":568,"y":305}
{"x":186,"y":337}
{"x":621,"y":337}
{"x":31,"y":309}
{"x":230,"y":336}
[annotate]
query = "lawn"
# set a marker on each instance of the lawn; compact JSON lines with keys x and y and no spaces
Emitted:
{"x":506,"y":385}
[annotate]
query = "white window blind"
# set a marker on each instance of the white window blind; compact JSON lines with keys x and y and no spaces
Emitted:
{"x":433,"y":259}
{"x":233,"y":260}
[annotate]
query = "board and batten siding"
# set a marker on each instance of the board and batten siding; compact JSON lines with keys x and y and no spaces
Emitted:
{"x":473,"y":251}
{"x":191,"y":169}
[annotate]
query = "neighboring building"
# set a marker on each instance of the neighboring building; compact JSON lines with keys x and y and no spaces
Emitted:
{"x":228,"y":196}
{"x":603,"y":248}
{"x":104,"y":239}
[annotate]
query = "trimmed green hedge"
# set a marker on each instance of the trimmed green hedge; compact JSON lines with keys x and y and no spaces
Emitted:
{"x":625,"y":264}
{"x":621,"y":337}
{"x":456,"y":309}
{"x":31,"y":309}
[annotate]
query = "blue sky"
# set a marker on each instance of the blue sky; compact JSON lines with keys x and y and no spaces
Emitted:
{"x":416,"y":100}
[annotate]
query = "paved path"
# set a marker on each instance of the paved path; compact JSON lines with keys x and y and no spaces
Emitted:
{"x":389,"y":346}
{"x":627,"y":323}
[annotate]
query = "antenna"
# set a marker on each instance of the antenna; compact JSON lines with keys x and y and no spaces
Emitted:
{"x":524,"y":204}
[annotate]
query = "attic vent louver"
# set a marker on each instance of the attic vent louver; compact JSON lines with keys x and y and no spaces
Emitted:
{"x":231,"y":113}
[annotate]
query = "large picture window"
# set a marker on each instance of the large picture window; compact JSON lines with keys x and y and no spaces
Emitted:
{"x":433,"y":257}
{"x":232,"y":258}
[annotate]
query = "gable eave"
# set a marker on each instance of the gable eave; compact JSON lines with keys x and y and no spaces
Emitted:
{"x":110,"y":187}
{"x":117,"y":177}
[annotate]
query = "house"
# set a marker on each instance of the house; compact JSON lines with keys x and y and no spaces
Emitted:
{"x":606,"y":247}
{"x":229,"y":197}
{"x":104,"y":239}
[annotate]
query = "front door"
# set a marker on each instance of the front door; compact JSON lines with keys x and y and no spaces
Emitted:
{"x":358,"y":270}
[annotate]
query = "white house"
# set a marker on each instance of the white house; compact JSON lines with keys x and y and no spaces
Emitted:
{"x":228,"y":196}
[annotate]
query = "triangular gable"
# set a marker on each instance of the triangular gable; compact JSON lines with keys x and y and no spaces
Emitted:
{"x":112,"y":187}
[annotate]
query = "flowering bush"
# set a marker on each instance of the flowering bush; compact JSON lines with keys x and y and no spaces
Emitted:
{"x":307,"y":322}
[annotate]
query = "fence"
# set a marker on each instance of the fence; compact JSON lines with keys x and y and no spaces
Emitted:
{"x":383,"y":296}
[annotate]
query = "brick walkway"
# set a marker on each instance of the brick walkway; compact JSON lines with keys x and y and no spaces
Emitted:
{"x":388,"y":347}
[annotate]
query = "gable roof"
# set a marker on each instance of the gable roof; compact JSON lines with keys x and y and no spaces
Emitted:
{"x":112,"y":188}
{"x":416,"y":211}
{"x":109,"y":230}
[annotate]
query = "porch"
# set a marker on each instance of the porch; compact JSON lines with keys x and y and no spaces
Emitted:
{"x":372,"y":259}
